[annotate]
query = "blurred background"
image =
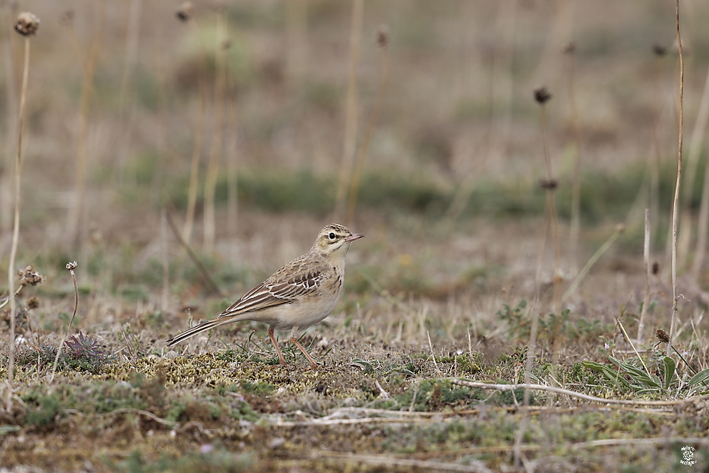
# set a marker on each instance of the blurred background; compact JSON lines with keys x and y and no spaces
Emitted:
{"x":255,"y":123}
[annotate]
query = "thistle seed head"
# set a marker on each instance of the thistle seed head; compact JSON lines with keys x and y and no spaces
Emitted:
{"x":27,"y":24}
{"x":185,"y":11}
{"x":542,"y":95}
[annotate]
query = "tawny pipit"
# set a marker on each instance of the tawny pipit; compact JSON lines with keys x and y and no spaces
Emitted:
{"x":300,"y":294}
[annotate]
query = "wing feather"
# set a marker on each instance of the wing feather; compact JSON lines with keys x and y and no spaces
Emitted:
{"x":277,"y":291}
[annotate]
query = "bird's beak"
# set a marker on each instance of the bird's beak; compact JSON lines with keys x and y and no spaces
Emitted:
{"x":354,"y":236}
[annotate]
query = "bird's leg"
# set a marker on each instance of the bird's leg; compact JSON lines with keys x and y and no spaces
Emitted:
{"x":275,"y":344}
{"x":295,"y":341}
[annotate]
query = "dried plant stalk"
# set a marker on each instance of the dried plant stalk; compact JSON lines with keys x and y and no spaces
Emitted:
{"x":27,"y":29}
{"x":695,"y":145}
{"x":675,"y":205}
{"x":646,"y":258}
{"x":75,"y":223}
{"x":576,"y":175}
{"x":382,"y":40}
{"x":71,"y":267}
{"x":351,"y":109}
{"x":232,"y":159}
{"x":197,"y":145}
{"x":215,"y":155}
{"x":702,"y":224}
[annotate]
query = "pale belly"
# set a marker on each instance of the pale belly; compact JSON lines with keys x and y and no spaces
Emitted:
{"x":301,"y":314}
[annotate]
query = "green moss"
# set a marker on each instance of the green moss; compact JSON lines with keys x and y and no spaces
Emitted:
{"x":258,"y":389}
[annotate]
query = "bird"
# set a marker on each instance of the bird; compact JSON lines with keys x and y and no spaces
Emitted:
{"x":300,"y":294}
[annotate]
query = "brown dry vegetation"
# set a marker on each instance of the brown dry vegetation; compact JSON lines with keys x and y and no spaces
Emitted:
{"x":432,"y":295}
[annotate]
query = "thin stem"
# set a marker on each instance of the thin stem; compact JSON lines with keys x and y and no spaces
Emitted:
{"x":675,"y":206}
{"x":70,"y":267}
{"x":576,"y":176}
{"x":646,"y":259}
{"x":351,"y":108}
{"x":591,"y":262}
{"x":695,"y":145}
{"x":551,"y":205}
{"x":16,"y":225}
{"x":197,"y":146}
{"x":627,"y":337}
{"x":215,"y":154}
{"x":203,"y":271}
{"x":362,"y":152}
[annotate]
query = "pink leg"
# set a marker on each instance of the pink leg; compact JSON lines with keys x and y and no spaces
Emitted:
{"x":275,"y":344}
{"x":313,"y":365}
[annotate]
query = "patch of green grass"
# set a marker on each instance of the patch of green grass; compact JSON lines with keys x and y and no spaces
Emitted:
{"x":436,"y":394}
{"x":41,"y":408}
{"x":210,"y":459}
{"x":519,"y":321}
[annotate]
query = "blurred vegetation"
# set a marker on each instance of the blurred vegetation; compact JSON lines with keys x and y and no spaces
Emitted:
{"x":604,"y":196}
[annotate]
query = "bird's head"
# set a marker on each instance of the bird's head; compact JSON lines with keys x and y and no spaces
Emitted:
{"x":335,"y":238}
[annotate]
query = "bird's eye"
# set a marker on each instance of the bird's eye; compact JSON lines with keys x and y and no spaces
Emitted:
{"x":331,"y":235}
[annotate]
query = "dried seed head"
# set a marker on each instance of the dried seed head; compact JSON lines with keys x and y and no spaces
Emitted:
{"x":655,"y":268}
{"x":549,"y":185}
{"x":33,"y":302}
{"x":27,"y":24}
{"x":541,"y":95}
{"x":659,"y":50}
{"x":185,"y":11}
{"x":67,"y":18}
{"x":71,"y":266}
{"x":382,"y":37}
{"x":30,"y":277}
{"x":662,"y":335}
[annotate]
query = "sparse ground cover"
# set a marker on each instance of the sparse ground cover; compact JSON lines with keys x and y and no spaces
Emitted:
{"x":383,"y":399}
{"x":422,"y":359}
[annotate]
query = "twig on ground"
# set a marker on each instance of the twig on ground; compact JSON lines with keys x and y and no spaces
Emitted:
{"x":433,"y":357}
{"x":402,"y":462}
{"x":566,"y":392}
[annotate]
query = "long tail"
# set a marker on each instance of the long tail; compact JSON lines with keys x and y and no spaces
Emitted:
{"x":209,"y":324}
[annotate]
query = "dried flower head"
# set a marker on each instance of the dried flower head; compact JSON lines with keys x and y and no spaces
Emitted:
{"x":33,"y":302}
{"x":549,"y":185}
{"x":382,"y":37}
{"x":30,"y":277}
{"x":185,"y":11}
{"x":27,"y":24}
{"x":67,"y":18}
{"x":659,"y":50}
{"x":662,"y":335}
{"x":541,"y":95}
{"x":71,"y":266}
